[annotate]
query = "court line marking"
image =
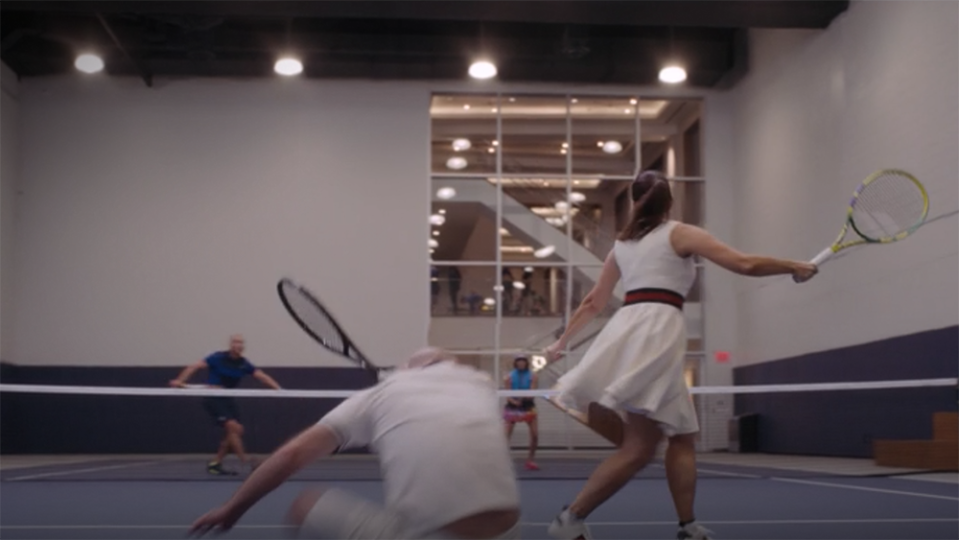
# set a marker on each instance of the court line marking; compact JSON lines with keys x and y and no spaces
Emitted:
{"x":863,"y":488}
{"x":713,"y":471}
{"x":80,"y":471}
{"x":527,"y":523}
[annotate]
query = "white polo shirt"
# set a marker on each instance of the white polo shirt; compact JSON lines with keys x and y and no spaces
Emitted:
{"x":440,"y":439}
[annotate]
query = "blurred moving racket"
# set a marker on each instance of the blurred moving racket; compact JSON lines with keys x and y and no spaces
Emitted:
{"x":888,"y":206}
{"x":605,"y":422}
{"x":310,"y":314}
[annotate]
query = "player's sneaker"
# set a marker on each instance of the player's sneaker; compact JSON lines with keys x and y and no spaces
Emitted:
{"x":693,"y":531}
{"x":216,"y":468}
{"x":566,"y":526}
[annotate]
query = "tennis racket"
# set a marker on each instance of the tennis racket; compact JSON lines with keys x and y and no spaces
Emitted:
{"x":319,"y":324}
{"x":888,"y":206}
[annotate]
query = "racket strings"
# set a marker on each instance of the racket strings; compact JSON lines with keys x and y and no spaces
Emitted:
{"x":313,"y":319}
{"x":889,"y":205}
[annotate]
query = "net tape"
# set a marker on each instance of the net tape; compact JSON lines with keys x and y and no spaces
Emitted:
{"x":543,"y":393}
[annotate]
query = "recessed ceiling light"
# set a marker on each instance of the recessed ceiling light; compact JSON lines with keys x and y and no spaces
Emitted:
{"x":288,"y":66}
{"x":88,"y":63}
{"x":544,"y":252}
{"x":441,"y":211}
{"x":436,"y":233}
{"x":599,"y":144}
{"x":627,"y":111}
{"x":576,"y":197}
{"x":461,"y":144}
{"x":434,"y":243}
{"x":437,"y":219}
{"x":491,"y":150}
{"x":466,"y":107}
{"x":565,"y":145}
{"x":574,"y":100}
{"x":562,"y":150}
{"x":612,"y":147}
{"x":456,"y":163}
{"x":512,"y":100}
{"x":482,"y":69}
{"x":672,"y":74}
{"x":633,"y":101}
{"x":495,"y":143}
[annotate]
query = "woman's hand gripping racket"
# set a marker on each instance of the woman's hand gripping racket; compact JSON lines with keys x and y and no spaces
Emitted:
{"x":888,"y":206}
{"x":319,"y":324}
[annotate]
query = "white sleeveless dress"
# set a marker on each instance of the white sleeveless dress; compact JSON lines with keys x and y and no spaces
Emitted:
{"x":636,"y":363}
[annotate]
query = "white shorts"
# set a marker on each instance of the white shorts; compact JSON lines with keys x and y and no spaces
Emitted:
{"x":338,"y":515}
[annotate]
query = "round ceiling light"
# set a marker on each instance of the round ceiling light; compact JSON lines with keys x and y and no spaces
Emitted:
{"x":461,"y":144}
{"x":437,"y":219}
{"x":612,"y":147}
{"x":489,"y":302}
{"x":446,"y":193}
{"x":544,"y":252}
{"x":519,"y":285}
{"x":576,"y":197}
{"x":672,"y":74}
{"x":482,"y":69}
{"x":88,"y":63}
{"x":288,"y":66}
{"x":561,"y":206}
{"x":434,"y":244}
{"x":456,"y":163}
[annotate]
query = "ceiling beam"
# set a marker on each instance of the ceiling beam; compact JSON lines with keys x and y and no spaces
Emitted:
{"x":704,"y":13}
{"x":137,"y":63}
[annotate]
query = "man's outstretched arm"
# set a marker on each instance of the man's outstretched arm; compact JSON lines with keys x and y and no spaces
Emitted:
{"x":310,"y":445}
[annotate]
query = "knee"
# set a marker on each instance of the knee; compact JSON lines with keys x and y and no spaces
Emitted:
{"x":234,"y":428}
{"x":638,"y":455}
{"x":682,"y":444}
{"x":302,"y":505}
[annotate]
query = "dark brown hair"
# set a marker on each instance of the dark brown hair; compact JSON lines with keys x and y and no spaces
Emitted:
{"x":652,"y":200}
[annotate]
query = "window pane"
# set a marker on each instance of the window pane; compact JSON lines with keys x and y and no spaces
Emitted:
{"x":463,"y":132}
{"x":534,"y":134}
{"x":604,"y":135}
{"x":463,"y":220}
{"x":688,"y":201}
{"x":670,"y":136}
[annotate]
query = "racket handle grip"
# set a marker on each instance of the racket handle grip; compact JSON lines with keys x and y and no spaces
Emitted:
{"x":823,"y":255}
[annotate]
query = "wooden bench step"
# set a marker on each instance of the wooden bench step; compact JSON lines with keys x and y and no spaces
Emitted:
{"x":934,"y":455}
{"x":945,"y":426}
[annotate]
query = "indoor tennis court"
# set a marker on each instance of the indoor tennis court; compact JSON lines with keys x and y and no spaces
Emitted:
{"x":734,"y":225}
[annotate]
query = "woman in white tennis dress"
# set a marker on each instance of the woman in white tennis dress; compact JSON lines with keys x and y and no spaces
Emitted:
{"x":635,"y":366}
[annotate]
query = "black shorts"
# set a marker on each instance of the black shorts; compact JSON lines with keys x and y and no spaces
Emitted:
{"x":221,"y":409}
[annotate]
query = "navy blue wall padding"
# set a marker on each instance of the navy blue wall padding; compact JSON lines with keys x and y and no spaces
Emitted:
{"x":56,"y":424}
{"x":844,"y":423}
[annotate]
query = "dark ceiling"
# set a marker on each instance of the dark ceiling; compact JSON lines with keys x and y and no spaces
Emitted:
{"x":623,"y":42}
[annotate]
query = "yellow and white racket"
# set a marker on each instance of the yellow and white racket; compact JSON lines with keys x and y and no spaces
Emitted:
{"x":888,"y":206}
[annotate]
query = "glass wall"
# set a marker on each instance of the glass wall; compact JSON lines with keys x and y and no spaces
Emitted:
{"x":528,"y":193}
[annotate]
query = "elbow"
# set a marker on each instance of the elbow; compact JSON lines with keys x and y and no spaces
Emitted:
{"x":591,"y":305}
{"x":747,"y":266}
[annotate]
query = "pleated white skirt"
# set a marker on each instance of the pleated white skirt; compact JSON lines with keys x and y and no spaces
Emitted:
{"x":636,"y":364}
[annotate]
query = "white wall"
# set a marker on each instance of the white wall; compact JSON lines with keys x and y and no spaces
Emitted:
{"x":819,"y":111}
{"x":155,"y":222}
{"x":9,"y":174}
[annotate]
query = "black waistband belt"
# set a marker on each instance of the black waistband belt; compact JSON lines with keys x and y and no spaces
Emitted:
{"x":659,"y":296}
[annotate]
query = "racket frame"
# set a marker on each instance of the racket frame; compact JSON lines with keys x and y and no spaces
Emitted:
{"x":838,"y":245}
{"x":350,"y":352}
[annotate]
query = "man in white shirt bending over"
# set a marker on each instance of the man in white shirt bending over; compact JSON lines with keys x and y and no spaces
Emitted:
{"x":446,"y":466}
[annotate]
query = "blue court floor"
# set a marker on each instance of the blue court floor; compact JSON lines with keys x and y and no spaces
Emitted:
{"x":867,"y":508}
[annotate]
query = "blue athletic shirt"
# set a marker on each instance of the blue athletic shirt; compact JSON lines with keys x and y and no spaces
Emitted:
{"x":521,"y":380}
{"x":226,"y":371}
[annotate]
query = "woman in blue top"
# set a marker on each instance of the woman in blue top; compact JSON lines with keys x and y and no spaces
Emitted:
{"x":522,"y":409}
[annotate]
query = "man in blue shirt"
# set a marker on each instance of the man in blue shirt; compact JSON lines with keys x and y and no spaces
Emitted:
{"x":225,"y":369}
